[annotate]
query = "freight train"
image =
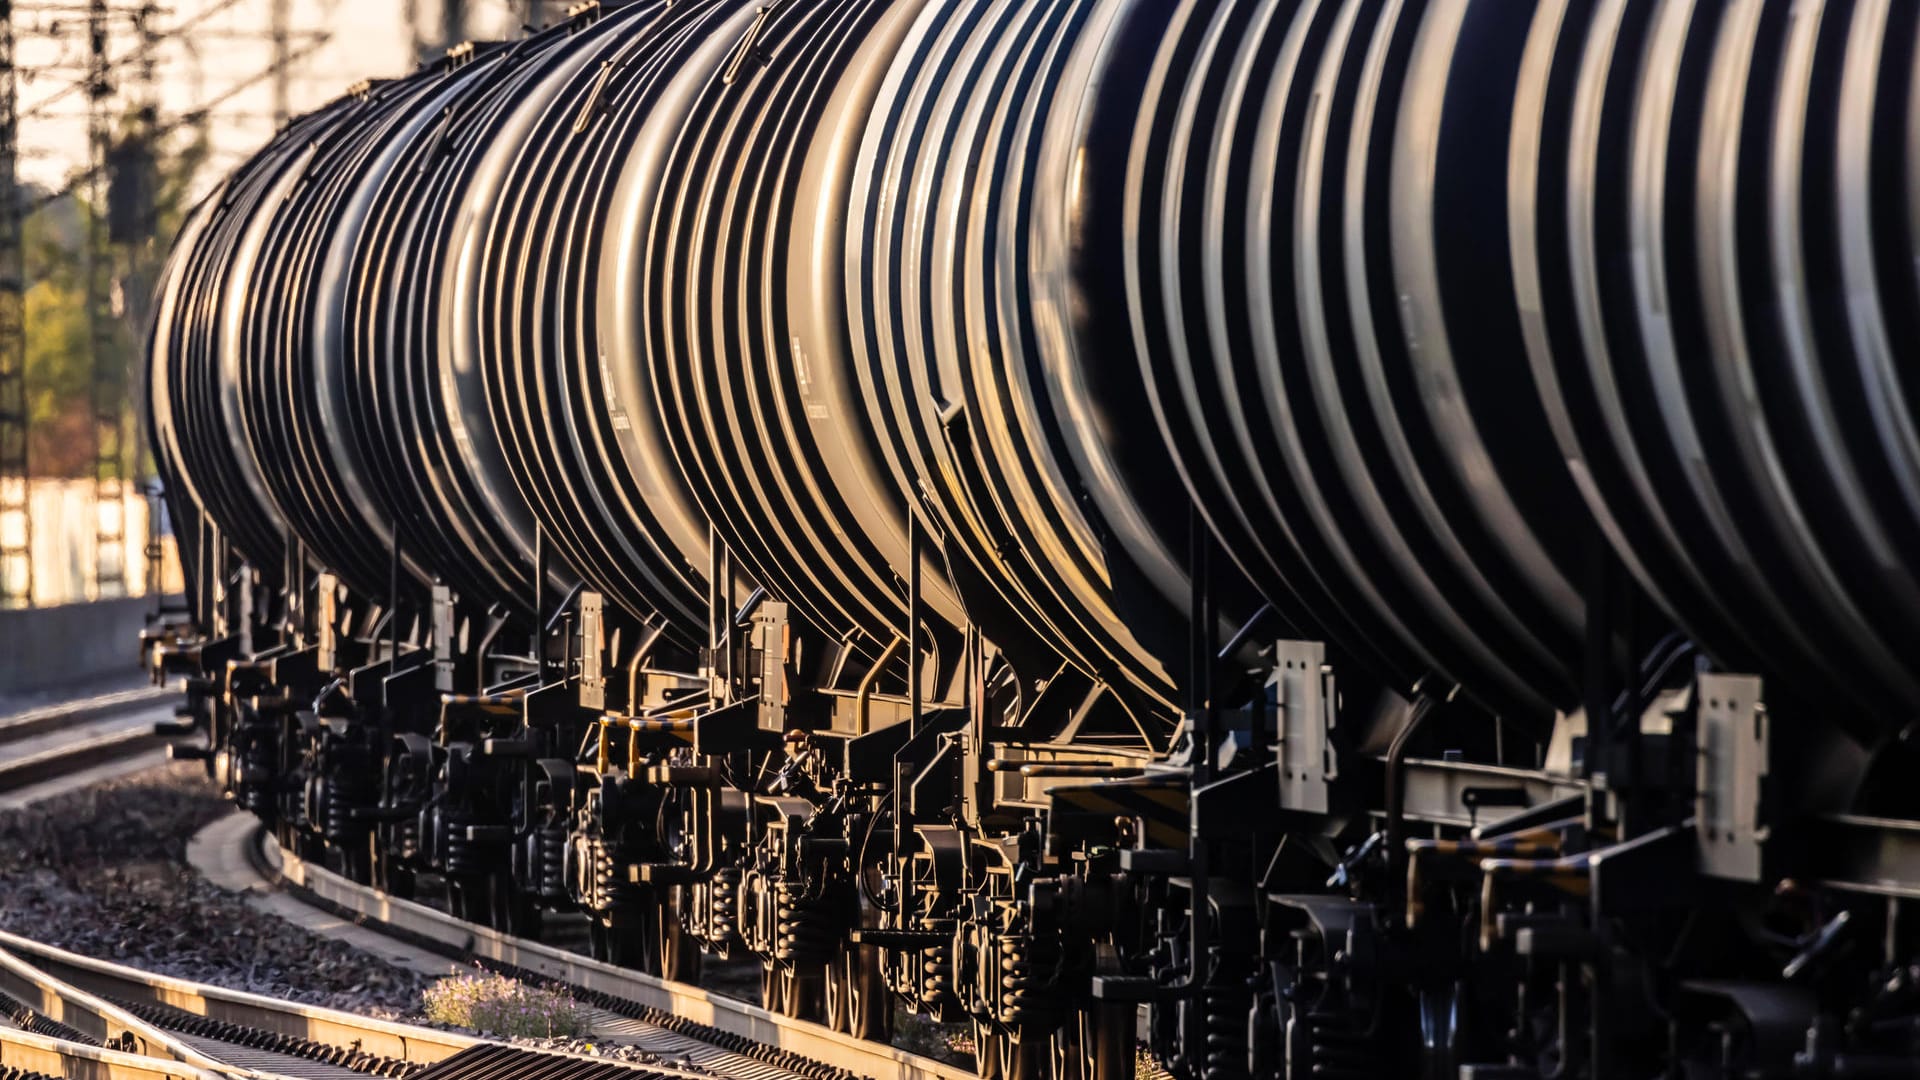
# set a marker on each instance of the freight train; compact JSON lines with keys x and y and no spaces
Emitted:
{"x":1335,"y":538}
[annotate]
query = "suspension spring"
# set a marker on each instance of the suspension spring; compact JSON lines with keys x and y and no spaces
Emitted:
{"x":549,"y":850}
{"x":291,"y":801}
{"x":1339,"y":1048}
{"x":1020,"y":997}
{"x":803,"y":927}
{"x":318,"y":796}
{"x":936,"y":974}
{"x":1228,"y":1002}
{"x":612,"y":892}
{"x":602,"y":893}
{"x":462,"y":855}
{"x":723,"y":903}
{"x":403,"y":837}
{"x":342,"y":791}
{"x":258,"y":763}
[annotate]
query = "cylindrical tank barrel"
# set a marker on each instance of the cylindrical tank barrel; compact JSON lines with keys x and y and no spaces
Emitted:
{"x":1490,"y":342}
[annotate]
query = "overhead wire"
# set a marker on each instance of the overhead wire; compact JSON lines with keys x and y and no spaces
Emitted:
{"x":39,"y":107}
{"x":190,"y":116}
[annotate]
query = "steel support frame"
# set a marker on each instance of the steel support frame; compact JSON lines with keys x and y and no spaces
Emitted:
{"x":16,"y":518}
{"x":109,"y":374}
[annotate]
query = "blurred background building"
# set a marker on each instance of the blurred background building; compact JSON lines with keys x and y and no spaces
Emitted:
{"x":115,"y":117}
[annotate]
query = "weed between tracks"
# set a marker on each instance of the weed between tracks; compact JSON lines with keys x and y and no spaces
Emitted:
{"x":497,"y":1005}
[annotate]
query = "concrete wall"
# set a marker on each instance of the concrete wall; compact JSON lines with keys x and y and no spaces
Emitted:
{"x":66,"y":519}
{"x":72,"y":643}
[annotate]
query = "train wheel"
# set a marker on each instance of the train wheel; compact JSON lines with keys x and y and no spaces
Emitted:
{"x":986,"y":1052}
{"x":856,"y":994}
{"x":470,"y":899}
{"x":627,"y":946}
{"x":388,"y":875}
{"x":638,"y":942}
{"x":1024,"y":1058}
{"x":1095,"y":1043}
{"x":511,"y":909}
{"x":679,"y":954}
{"x":835,"y":993}
{"x":789,"y":993}
{"x":356,"y":861}
{"x":999,"y":1056}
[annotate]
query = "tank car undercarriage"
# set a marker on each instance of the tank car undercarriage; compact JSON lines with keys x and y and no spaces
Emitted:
{"x":1387,"y":884}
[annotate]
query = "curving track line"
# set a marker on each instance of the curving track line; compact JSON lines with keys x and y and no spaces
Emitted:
{"x":57,"y":741}
{"x":187,"y":1029}
{"x":27,"y":1056}
{"x":713,"y":1032}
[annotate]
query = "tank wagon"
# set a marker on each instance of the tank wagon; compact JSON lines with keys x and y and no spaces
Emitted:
{"x":1342,"y":538}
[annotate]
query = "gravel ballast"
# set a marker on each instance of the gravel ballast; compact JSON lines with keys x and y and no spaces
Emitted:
{"x":103,"y":872}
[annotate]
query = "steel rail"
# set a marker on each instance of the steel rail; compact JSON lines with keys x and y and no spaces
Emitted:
{"x":41,"y":1056}
{"x":100,"y":731}
{"x":59,"y":761}
{"x":27,"y":760}
{"x":212,"y":1033}
{"x":79,"y":1015}
{"x":107,"y":1002}
{"x":46,"y":718}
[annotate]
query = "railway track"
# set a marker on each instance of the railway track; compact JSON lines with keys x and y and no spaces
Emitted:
{"x":151,"y":1025}
{"x":27,"y":1056}
{"x":65,"y":1015}
{"x":58,"y":741}
{"x":713,"y":1033}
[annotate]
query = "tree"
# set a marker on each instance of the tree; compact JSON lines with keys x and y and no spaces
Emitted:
{"x":59,"y":361}
{"x":58,"y":372}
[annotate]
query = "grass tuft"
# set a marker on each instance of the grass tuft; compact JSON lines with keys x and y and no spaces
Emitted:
{"x":498,"y":1005}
